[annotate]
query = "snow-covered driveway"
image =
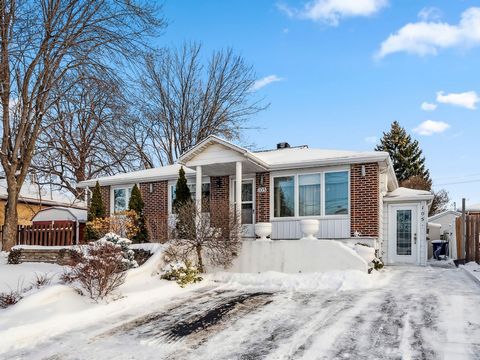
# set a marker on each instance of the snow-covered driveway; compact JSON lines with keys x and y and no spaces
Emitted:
{"x":422,"y":313}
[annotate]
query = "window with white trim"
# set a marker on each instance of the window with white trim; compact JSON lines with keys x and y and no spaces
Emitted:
{"x":121,"y":197}
{"x":336,"y":193}
{"x":193,"y":190}
{"x":284,"y":196}
{"x":311,"y":194}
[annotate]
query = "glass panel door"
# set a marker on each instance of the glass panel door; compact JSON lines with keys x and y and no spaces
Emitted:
{"x":247,"y":201}
{"x":404,"y":232}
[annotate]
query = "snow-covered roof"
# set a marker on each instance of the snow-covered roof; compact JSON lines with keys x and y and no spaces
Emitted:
{"x":305,"y":156}
{"x":61,"y":213}
{"x":285,"y":158}
{"x":161,"y":173}
{"x":473,"y":207}
{"x":33,"y":194}
{"x":403,"y":194}
{"x":444,"y":213}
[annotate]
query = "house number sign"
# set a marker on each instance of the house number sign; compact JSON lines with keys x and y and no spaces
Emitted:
{"x":262,"y":189}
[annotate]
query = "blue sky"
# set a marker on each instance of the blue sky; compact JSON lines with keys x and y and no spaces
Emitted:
{"x":348,"y":68}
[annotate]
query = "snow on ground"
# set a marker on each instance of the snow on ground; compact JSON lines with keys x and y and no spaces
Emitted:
{"x":403,"y":312}
{"x":20,"y":276}
{"x":473,"y":269}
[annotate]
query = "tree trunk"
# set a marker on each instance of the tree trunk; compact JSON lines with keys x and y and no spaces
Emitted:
{"x":199,"y":258}
{"x":11,"y":221}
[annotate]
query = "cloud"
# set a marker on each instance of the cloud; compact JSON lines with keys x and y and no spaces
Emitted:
{"x":260,"y":83}
{"x":428,"y":37}
{"x":467,"y":100}
{"x":332,"y":11}
{"x":430,"y":127}
{"x":430,"y":14}
{"x":371,"y":139}
{"x":426,"y":106}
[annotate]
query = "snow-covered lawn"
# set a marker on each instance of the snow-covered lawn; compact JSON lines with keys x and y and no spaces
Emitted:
{"x":403,"y":312}
{"x":18,"y":277}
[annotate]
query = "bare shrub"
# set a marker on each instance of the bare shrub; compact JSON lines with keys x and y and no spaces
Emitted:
{"x":10,"y":298}
{"x":123,"y":224}
{"x":99,"y":271}
{"x":41,"y":280}
{"x":195,"y":236}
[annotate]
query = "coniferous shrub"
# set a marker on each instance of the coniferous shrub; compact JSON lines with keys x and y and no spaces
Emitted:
{"x":96,"y":211}
{"x":182,"y":192}
{"x":136,"y":204}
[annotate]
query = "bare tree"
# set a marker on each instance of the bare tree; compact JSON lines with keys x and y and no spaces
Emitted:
{"x":80,"y":139}
{"x":183,"y":101}
{"x":42,"y":42}
{"x":194,"y":236}
{"x":440,"y":197}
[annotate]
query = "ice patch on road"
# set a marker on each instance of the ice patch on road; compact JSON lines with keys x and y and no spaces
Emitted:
{"x":276,"y":281}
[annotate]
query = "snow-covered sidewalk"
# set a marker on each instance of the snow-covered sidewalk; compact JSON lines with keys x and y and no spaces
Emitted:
{"x":406,"y":312}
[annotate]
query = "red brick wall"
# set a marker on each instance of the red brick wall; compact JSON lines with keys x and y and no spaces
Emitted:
{"x":156,"y":209}
{"x":365,"y":199}
{"x":262,"y":200}
{"x":219,"y":198}
{"x":105,"y":191}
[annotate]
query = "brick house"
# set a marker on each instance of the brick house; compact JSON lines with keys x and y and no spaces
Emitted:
{"x":354,"y":196}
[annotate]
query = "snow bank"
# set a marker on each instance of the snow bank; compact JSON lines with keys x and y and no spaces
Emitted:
{"x":276,"y":281}
{"x":473,"y":269}
{"x":152,"y":247}
{"x":297,"y":256}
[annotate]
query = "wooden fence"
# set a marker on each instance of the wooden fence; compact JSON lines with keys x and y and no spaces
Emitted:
{"x":471,"y":251}
{"x":59,"y":233}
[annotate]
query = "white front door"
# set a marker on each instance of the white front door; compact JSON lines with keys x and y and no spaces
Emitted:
{"x":404,"y":234}
{"x":248,"y":206}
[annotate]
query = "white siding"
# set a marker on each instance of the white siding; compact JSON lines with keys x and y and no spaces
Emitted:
{"x":329,"y":229}
{"x":215,"y":154}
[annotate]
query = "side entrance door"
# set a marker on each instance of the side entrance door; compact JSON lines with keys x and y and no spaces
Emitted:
{"x":248,"y":206}
{"x":404,"y":233}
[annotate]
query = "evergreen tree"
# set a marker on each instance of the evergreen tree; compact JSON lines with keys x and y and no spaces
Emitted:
{"x":136,"y":204}
{"x":182,"y":192}
{"x":406,"y":155}
{"x":97,"y":209}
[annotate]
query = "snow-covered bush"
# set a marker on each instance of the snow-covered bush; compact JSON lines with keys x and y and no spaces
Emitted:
{"x":128,"y":254}
{"x":14,"y":256}
{"x":99,"y":270}
{"x":10,"y":298}
{"x":142,"y":255}
{"x":124,"y":223}
{"x":182,"y":273}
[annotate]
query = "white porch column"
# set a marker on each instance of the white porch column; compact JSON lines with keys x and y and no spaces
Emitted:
{"x":198,"y":189}
{"x":238,"y":189}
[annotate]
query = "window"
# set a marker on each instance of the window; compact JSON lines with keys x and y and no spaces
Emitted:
{"x":309,"y":195}
{"x":336,"y":193}
{"x":284,"y":196}
{"x":193,"y":189}
{"x":121,"y":197}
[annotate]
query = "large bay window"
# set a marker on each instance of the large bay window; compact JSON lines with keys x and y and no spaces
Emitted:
{"x":314,"y":194}
{"x":121,"y":197}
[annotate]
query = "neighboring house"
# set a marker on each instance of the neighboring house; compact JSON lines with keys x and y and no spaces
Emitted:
{"x":443,"y":225}
{"x":32,"y":199}
{"x":354,"y":195}
{"x":473,"y":209}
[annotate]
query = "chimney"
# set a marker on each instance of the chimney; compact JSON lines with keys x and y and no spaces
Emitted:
{"x":283,"y":145}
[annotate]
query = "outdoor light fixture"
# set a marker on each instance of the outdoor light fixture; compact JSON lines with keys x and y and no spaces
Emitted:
{"x":218,"y":182}
{"x":363,"y":170}
{"x":151,"y":187}
{"x":261,"y":180}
